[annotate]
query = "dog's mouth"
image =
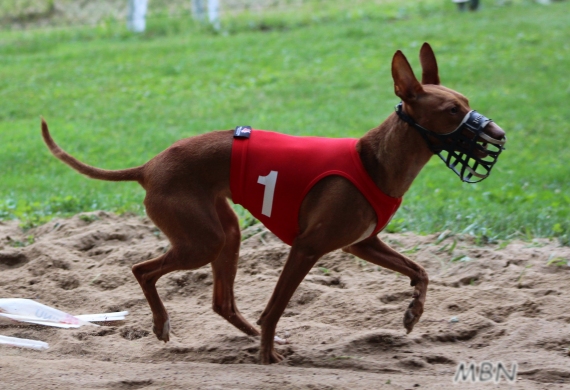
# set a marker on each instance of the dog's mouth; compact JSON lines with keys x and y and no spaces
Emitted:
{"x":486,"y":144}
{"x":470,"y":150}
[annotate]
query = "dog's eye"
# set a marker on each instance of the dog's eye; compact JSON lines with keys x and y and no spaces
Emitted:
{"x":454,"y":110}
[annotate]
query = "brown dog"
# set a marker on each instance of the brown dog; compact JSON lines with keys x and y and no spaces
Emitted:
{"x":188,"y":184}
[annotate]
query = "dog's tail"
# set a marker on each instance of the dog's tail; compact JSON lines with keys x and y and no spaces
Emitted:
{"x":130,"y":174}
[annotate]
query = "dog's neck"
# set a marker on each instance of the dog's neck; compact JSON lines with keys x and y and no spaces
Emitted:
{"x":393,"y":154}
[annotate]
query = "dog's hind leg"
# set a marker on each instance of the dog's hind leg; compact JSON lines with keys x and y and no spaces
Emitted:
{"x":377,"y":252}
{"x":197,"y":238}
{"x":225,"y":268}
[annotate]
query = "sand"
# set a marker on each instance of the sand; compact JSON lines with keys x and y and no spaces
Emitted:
{"x":501,"y":302}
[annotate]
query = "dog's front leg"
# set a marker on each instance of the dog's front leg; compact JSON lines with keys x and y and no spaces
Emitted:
{"x":300,"y":261}
{"x":377,"y":252}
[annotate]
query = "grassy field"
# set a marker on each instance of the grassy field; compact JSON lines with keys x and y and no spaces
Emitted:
{"x":114,"y":100}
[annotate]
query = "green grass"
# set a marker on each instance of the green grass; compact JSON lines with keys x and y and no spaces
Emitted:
{"x":114,"y":100}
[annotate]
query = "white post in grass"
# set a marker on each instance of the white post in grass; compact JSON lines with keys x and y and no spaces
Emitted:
{"x":136,"y":15}
{"x":198,"y":9}
{"x":214,"y":13}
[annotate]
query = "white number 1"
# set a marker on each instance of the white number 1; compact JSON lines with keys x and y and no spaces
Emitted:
{"x":269,"y":182}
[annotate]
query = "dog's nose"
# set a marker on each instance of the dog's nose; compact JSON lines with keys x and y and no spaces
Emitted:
{"x":493,"y":130}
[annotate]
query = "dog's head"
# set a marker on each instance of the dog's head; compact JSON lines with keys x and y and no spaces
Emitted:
{"x":468,"y":142}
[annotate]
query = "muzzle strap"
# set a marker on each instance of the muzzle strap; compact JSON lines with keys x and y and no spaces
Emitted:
{"x":467,"y":150}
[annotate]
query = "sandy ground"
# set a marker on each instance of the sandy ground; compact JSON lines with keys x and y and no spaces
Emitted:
{"x":497,"y":303}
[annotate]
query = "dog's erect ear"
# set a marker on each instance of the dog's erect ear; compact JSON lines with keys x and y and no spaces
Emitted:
{"x":406,"y":86}
{"x":430,"y":74}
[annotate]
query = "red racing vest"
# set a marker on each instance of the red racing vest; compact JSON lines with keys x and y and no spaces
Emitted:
{"x":271,"y":173}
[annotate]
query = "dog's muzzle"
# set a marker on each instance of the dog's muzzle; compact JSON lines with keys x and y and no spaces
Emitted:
{"x":467,"y":150}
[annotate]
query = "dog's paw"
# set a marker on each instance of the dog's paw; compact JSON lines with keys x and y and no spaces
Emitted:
{"x":164,"y":333}
{"x":271,"y":357}
{"x":412,"y":315}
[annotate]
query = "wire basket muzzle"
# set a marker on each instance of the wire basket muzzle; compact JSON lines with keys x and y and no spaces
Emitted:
{"x":468,"y":151}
